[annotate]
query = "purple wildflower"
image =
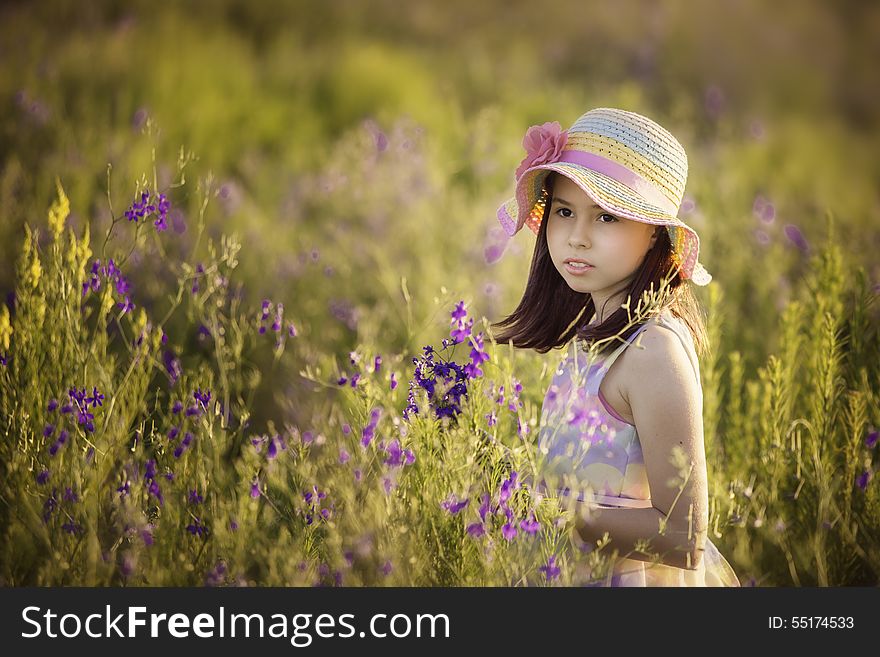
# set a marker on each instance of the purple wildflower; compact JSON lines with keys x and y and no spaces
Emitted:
{"x":255,"y":488}
{"x":461,"y":331}
{"x":196,"y":528}
{"x":86,"y":419}
{"x":507,"y":487}
{"x":531,"y":525}
{"x":398,"y":456}
{"x":96,"y":399}
{"x":871,"y":440}
{"x":477,"y":356}
{"x":551,"y":570}
{"x":71,"y":527}
{"x":143,"y":208}
{"x":43,"y":477}
{"x":203,"y":397}
{"x":476,"y":529}
{"x":796,"y":237}
{"x":864,"y":478}
{"x":124,"y":489}
{"x":184,"y":444}
{"x":453,"y":505}
{"x":172,"y":365}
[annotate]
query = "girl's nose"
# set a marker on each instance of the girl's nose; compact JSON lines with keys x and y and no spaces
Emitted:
{"x":579,"y":235}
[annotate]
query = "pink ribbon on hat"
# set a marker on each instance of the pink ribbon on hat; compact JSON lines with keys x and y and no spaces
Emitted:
{"x":621,"y":174}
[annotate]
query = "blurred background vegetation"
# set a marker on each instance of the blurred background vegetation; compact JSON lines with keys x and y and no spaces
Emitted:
{"x":358,"y":151}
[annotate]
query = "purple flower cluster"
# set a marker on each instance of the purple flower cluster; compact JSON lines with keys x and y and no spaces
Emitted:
{"x":461,"y":331}
{"x":354,"y":379}
{"x":397,"y":456}
{"x":152,"y":484}
{"x":145,"y":207}
{"x":513,"y":403}
{"x":172,"y":365}
{"x":111,"y":275}
{"x":551,"y":570}
{"x":272,"y":443}
{"x":79,"y":402}
{"x":453,"y":504}
{"x":51,"y":504}
{"x":529,"y":525}
{"x":370,"y":430}
{"x":277,"y":322}
{"x":445,"y":381}
{"x":200,"y":406}
{"x":315,"y":507}
{"x":196,"y":528}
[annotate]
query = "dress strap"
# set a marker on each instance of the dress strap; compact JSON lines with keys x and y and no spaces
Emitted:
{"x":608,"y":361}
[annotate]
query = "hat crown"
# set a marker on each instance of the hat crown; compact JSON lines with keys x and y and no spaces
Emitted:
{"x":636,"y":142}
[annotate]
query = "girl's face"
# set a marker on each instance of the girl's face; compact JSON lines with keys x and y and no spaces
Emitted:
{"x":613,"y":246}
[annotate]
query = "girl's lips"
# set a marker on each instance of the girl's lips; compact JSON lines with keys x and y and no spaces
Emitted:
{"x":577,"y":270}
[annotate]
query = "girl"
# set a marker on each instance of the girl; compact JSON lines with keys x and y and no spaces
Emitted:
{"x":621,"y":428}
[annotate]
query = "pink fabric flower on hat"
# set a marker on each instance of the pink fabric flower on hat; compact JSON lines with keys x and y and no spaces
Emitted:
{"x":543,"y":143}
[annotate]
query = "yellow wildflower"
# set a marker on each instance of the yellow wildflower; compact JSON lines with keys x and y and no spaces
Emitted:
{"x":5,"y":327}
{"x":58,"y":211}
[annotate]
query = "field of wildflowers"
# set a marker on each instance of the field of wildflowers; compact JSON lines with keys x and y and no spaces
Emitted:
{"x":248,"y":288}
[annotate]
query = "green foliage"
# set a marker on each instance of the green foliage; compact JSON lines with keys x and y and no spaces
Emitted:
{"x":352,"y":175}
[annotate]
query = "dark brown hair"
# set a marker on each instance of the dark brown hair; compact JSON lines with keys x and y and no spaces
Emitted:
{"x":550,"y":313}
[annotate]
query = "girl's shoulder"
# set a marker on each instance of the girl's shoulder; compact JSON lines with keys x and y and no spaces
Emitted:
{"x":661,"y":353}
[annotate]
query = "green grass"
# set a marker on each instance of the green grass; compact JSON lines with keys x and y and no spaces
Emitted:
{"x":352,"y":175}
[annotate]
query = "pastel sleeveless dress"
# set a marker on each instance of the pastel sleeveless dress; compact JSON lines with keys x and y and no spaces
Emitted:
{"x":583,"y":441}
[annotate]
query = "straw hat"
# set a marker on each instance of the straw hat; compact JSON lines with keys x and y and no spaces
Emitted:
{"x":628,"y":164}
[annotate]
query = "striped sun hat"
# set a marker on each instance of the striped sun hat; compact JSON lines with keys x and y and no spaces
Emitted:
{"x":628,"y":164}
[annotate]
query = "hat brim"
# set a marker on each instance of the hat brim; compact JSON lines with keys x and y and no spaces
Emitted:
{"x":612,"y":196}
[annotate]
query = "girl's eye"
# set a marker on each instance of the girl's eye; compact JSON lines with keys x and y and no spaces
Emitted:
{"x":611,"y":217}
